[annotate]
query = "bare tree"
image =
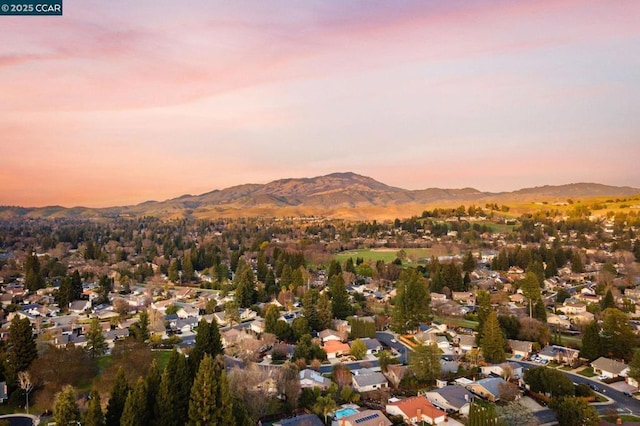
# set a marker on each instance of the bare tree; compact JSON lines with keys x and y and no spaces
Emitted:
{"x":25,"y":383}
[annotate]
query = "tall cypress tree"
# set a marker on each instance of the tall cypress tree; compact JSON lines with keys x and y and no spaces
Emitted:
{"x":493,"y":342}
{"x":21,"y":347}
{"x":339,"y":297}
{"x":135,"y":411}
{"x":591,"y":342}
{"x":94,"y":415}
{"x":118,"y":398}
{"x":210,"y":402}
{"x":208,"y":341}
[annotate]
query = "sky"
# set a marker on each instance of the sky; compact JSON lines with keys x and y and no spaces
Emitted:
{"x":118,"y":102}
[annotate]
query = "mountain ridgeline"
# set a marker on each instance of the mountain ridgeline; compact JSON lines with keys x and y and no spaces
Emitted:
{"x":345,"y":195}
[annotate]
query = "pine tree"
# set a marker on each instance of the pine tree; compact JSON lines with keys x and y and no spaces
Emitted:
{"x":424,"y":362}
{"x":64,"y":296}
{"x":21,"y":347}
{"x":271,"y":317}
{"x":66,"y":409}
{"x":325,"y":312}
{"x":187,"y":268}
{"x":153,"y":380}
{"x":96,"y":344}
{"x":309,"y":308}
{"x":412,"y":302}
{"x":608,"y":301}
{"x":493,"y":341}
{"x":33,"y":273}
{"x":76,"y":285}
{"x":210,"y":402}
{"x":94,"y":415}
{"x":135,"y":411}
{"x":591,"y":342}
{"x":261,"y":269}
{"x":469,"y":263}
{"x":339,"y":297}
{"x":483,"y":301}
{"x":118,"y":398}
{"x":208,"y":341}
{"x":172,"y":400}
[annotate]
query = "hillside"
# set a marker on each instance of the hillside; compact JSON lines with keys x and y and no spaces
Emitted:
{"x":340,"y":195}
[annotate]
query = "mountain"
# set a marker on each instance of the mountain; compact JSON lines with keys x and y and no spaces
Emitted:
{"x":344,"y":195}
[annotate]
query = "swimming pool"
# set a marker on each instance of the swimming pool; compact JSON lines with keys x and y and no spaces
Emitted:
{"x":344,"y":412}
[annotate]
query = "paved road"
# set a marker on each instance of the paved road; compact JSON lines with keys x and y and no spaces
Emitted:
{"x":20,"y":419}
{"x":621,"y":402}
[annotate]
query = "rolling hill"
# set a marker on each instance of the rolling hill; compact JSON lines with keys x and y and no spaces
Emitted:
{"x":340,"y":195}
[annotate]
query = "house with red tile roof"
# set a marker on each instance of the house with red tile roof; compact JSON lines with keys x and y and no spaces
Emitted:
{"x":415,"y":410}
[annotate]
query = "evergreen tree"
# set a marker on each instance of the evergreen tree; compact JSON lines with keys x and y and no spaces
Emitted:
{"x":187,"y":268}
{"x":140,"y":329}
{"x":172,"y":400}
{"x":325,"y":312}
{"x":577,"y":265}
{"x":96,"y":344}
{"x":591,"y":342}
{"x":207,"y":342}
{"x":618,"y":338}
{"x":412,"y":302}
{"x":271,"y":317}
{"x":608,"y":301}
{"x":573,"y":411}
{"x":339,"y":297}
{"x":310,"y":309}
{"x":76,"y":285}
{"x":634,"y":366}
{"x":21,"y":347}
{"x":424,"y":362}
{"x":483,"y":301}
{"x":135,"y":411}
{"x":118,"y":398}
{"x":66,"y":409}
{"x":262,"y":268}
{"x":94,"y":415}
{"x":469,"y":263}
{"x":34,"y":280}
{"x":482,"y":415}
{"x":493,"y":341}
{"x":270,"y":286}
{"x":452,"y":277}
{"x":244,"y":281}
{"x":334,"y":269}
{"x":210,"y":402}
{"x":153,"y":379}
{"x":64,"y":296}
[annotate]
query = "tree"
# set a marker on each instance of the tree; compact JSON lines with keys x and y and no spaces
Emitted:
{"x":324,"y":405}
{"x":208,"y":341}
{"x":339,"y":297}
{"x":549,"y":381}
{"x":135,"y":411}
{"x":618,"y":338}
{"x":300,"y":327}
{"x":210,"y":402}
{"x":591,"y":348}
{"x":424,"y":362}
{"x":482,"y":415}
{"x":94,"y":415}
{"x":271,"y":317}
{"x":608,"y":301}
{"x":325,"y":312}
{"x":530,"y":287}
{"x":118,"y":398}
{"x":634,"y":366}
{"x":493,"y":341}
{"x":33,"y":275}
{"x":25,"y":383}
{"x":21,"y":347}
{"x":412,"y":302}
{"x":310,"y":309}
{"x":469,"y":263}
{"x":140,"y":329}
{"x":66,"y":409}
{"x":96,"y":344}
{"x":172,"y":400}
{"x":483,"y":301}
{"x":573,"y":411}
{"x":516,"y":414}
{"x":358,"y":349}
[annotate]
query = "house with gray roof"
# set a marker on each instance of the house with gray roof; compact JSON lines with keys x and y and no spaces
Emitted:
{"x":365,"y":380}
{"x":610,"y":368}
{"x":488,"y":388}
{"x":372,"y":344}
{"x":311,"y":379}
{"x":302,"y":420}
{"x":453,"y":399}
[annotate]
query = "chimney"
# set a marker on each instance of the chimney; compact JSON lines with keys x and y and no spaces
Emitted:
{"x":343,"y":422}
{"x":419,"y":414}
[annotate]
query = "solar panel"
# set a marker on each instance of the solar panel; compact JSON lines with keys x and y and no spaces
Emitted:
{"x":369,"y":417}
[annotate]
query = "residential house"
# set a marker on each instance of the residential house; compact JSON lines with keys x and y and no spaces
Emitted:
{"x":373,"y":345}
{"x":610,"y":368}
{"x":559,"y":354}
{"x":558,"y":321}
{"x":437,"y":298}
{"x":336,"y":349}
{"x":465,"y":297}
{"x":415,"y":410}
{"x":573,"y":308}
{"x":520,"y":348}
{"x":311,"y":379}
{"x":452,"y":399}
{"x":467,"y":342}
{"x":512,"y":369}
{"x":488,"y":388}
{"x":365,"y":418}
{"x":257,"y":326}
{"x":329,"y":335}
{"x":365,"y":380}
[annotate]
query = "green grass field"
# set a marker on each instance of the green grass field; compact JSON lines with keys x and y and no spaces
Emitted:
{"x":388,"y":255}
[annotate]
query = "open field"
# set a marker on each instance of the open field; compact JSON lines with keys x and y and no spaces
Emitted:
{"x":388,"y":255}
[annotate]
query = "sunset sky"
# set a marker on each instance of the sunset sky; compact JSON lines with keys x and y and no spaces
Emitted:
{"x":118,"y":102}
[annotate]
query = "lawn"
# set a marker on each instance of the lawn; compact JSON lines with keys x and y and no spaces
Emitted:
{"x":587,"y":372}
{"x":388,"y":255}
